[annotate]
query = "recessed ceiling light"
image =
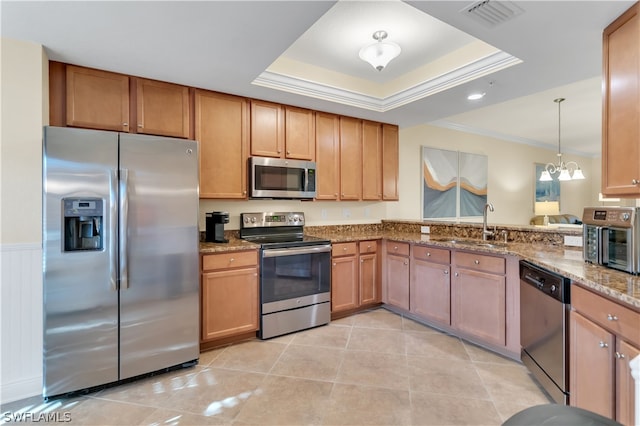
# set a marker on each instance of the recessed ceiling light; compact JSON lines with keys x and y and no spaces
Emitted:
{"x":476,"y":96}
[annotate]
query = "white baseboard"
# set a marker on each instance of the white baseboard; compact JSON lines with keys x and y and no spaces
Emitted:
{"x":21,"y":389}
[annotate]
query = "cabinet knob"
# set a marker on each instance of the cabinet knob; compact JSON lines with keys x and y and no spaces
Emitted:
{"x":279,"y":151}
{"x":125,"y":124}
{"x":456,"y":274}
{"x":406,"y":263}
{"x":428,"y":254}
{"x":603,"y":344}
{"x":244,"y":192}
{"x":334,"y":263}
{"x":288,"y":152}
{"x":620,"y":355}
{"x":395,"y":247}
{"x":477,"y":262}
{"x":140,"y":125}
{"x":344,"y":248}
{"x":611,"y":317}
{"x":446,"y":272}
{"x":231,"y":260}
{"x":635,"y":181}
{"x":361,"y":260}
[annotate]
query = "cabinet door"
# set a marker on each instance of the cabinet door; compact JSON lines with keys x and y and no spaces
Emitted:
{"x":478,"y":305}
{"x":350,"y":158}
{"x":369,"y":279}
{"x":431,"y":291}
{"x":97,"y":99}
{"x":397,"y":280}
{"x":344,"y":283}
{"x":591,"y":366}
{"x":267,"y":129}
{"x":222,"y":131}
{"x":229,"y":302}
{"x":162,"y":108}
{"x":327,"y":156}
{"x":390,"y":159}
{"x":621,"y":97}
{"x":625,"y":385}
{"x":300,"y":138}
{"x":371,"y":160}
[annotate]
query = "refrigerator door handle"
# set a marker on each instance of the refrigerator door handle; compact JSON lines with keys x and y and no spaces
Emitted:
{"x":122,"y":234}
{"x":113,"y":227}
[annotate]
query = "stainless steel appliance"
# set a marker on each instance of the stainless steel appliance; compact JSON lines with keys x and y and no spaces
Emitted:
{"x":120,"y":244}
{"x":214,"y":232}
{"x":611,"y":237}
{"x":280,"y":178}
{"x":544,"y":316}
{"x":295,"y":272}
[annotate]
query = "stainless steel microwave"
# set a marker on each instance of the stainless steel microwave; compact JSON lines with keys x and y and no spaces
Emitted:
{"x":611,"y":237}
{"x":281,"y":178}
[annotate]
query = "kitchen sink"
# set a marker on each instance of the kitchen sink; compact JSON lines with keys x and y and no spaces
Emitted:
{"x":478,"y":243}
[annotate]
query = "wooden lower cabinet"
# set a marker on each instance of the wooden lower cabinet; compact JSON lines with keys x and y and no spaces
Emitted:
{"x":430,"y":285}
{"x":229,"y":294}
{"x":604,"y":337}
{"x":344,"y":277}
{"x":397,"y":274}
{"x":354,"y":275}
{"x":478,"y":296}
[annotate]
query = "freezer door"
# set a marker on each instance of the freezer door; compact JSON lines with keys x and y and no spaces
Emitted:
{"x":80,"y":296}
{"x":159,"y":286}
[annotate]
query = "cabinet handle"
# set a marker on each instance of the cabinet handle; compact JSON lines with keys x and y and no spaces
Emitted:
{"x":603,"y":344}
{"x":446,"y":272}
{"x":635,"y":181}
{"x":612,"y":317}
{"x":620,"y":355}
{"x":477,"y":262}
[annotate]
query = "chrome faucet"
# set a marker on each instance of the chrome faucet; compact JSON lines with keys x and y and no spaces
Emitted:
{"x":485,"y":232}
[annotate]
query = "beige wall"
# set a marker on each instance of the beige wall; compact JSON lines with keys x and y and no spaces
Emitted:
{"x":24,"y":93}
{"x":510,"y":180}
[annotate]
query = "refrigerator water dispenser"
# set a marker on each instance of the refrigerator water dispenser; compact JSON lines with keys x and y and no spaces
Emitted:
{"x":83,"y":220}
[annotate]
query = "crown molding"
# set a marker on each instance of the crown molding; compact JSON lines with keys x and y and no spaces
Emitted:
{"x":484,"y":66}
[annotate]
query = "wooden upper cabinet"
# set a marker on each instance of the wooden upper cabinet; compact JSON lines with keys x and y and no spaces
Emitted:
{"x":371,"y":160}
{"x":97,"y":99}
{"x":267,"y":129}
{"x":327,"y":156}
{"x":300,"y":137}
{"x":390,"y":162}
{"x":162,"y":108}
{"x":222,"y":129}
{"x":621,"y":97}
{"x":350,"y":158}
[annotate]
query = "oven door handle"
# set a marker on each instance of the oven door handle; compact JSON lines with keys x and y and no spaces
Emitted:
{"x":292,"y":251}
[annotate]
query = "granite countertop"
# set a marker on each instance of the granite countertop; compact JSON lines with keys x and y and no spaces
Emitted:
{"x":566,"y":261}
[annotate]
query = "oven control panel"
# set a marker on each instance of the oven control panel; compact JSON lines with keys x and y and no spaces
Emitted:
{"x":271,"y":219}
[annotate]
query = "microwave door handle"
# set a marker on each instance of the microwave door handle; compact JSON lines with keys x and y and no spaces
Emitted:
{"x":603,"y":245}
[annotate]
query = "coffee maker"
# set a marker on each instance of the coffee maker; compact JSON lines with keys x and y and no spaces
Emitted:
{"x":215,"y":227}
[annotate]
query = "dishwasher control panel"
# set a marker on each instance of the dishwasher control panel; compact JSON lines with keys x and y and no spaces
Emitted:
{"x":547,"y":282}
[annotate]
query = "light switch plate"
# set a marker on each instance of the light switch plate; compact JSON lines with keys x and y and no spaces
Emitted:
{"x":573,"y":241}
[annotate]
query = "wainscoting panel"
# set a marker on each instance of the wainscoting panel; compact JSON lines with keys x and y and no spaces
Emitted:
{"x":20,"y":321}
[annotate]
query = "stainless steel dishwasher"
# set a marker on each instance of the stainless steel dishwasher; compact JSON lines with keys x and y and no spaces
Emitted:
{"x":544,"y":321}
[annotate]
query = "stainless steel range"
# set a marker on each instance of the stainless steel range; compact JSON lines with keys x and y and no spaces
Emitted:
{"x":295,"y":272}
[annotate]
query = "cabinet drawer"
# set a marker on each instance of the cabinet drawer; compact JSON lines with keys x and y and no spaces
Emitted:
{"x":620,"y":320}
{"x":236,"y":259}
{"x":368,"y":247}
{"x":479,"y":262}
{"x":401,"y":249}
{"x":344,"y":249}
{"x":431,"y":254}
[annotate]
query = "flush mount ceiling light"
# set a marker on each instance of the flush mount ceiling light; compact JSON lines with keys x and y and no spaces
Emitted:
{"x":381,"y":52}
{"x":476,"y":96}
{"x":568,"y":171}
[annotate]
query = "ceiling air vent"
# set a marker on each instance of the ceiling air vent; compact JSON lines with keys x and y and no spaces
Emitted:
{"x":492,"y":13}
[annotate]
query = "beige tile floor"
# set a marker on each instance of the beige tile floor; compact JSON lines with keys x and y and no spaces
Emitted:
{"x":371,"y":368}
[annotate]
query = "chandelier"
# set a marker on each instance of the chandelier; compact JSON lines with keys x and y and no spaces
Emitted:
{"x":381,"y":52}
{"x":569,"y":170}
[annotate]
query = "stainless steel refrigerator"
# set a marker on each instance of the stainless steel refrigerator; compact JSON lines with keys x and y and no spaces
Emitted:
{"x":120,"y":244}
